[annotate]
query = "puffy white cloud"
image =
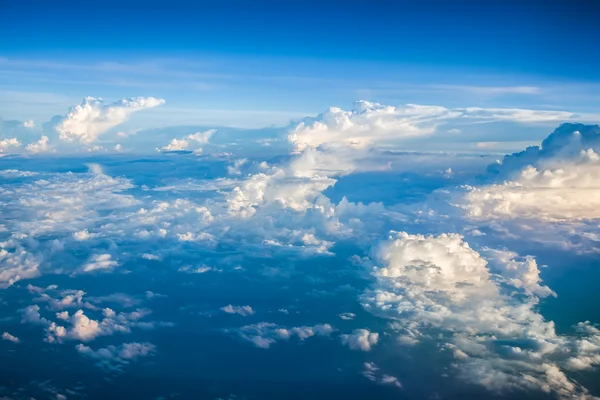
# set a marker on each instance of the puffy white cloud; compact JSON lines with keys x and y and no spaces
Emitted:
{"x":17,"y":263}
{"x":115,"y":357}
{"x":265,"y":334}
{"x":6,"y":144}
{"x":244,"y":311}
{"x":563,"y":190}
{"x":372,"y":123}
{"x":360,"y":339}
{"x":175,"y":145}
{"x":439,"y":287}
{"x":29,"y":124}
{"x":182,"y":144}
{"x":39,"y":146}
{"x":85,"y":122}
{"x":201,"y":137}
{"x":366,"y":123}
{"x":85,"y":329}
{"x":99,"y":262}
{"x":10,"y":338}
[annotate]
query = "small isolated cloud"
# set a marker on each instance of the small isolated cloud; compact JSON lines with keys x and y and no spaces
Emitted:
{"x":191,"y":142}
{"x":371,"y":372}
{"x":241,"y":310}
{"x":347,"y":316}
{"x":90,"y":119}
{"x":7,"y":144}
{"x":99,"y":262}
{"x":175,"y":145}
{"x":29,"y":124}
{"x":40,"y":146}
{"x":10,"y":338}
{"x":116,"y":357}
{"x":264,"y":334}
{"x":360,"y":339}
{"x":201,"y":137}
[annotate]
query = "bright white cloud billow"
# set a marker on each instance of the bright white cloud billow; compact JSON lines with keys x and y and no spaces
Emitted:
{"x":85,"y":122}
{"x":438,"y":286}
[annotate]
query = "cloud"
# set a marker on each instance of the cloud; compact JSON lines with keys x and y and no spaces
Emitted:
{"x":85,"y":329}
{"x":99,"y":262}
{"x":439,"y":287}
{"x":264,"y":334}
{"x":10,"y":338}
{"x":116,"y":357}
{"x":175,"y":145}
{"x":360,"y":339}
{"x":370,"y":124}
{"x":90,"y":119}
{"x":182,"y":144}
{"x":40,"y":146}
{"x":6,"y":144}
{"x":365,"y":124}
{"x":244,"y":311}
{"x":29,"y":124}
{"x":201,"y":137}
{"x":371,"y":372}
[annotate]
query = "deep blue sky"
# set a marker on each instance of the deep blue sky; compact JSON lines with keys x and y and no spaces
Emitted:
{"x":553,"y":37}
{"x":284,"y":59}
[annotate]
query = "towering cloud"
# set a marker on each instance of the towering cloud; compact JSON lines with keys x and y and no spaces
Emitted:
{"x":85,"y":122}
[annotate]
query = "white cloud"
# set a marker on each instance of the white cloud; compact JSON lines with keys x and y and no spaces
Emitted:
{"x":99,"y":262}
{"x":175,"y":145}
{"x":115,"y":357}
{"x":182,"y":144}
{"x":265,"y":334}
{"x":92,"y":117}
{"x":438,"y":287}
{"x":201,"y":137}
{"x":10,"y":338}
{"x":360,"y":339}
{"x":6,"y":144}
{"x":564,"y":190}
{"x":371,"y":372}
{"x":368,"y":124}
{"x":29,"y":124}
{"x":244,"y":311}
{"x":40,"y":146}
{"x":365,"y":124}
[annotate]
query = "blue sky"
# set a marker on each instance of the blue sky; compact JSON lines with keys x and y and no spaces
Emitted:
{"x":259,"y":63}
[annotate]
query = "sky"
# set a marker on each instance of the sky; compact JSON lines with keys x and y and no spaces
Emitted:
{"x":226,"y":63}
{"x":261,"y":200}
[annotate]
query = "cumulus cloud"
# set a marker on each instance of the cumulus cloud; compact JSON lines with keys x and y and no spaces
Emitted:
{"x":7,"y":144}
{"x":29,"y":124}
{"x":265,"y":334}
{"x":366,"y":123}
{"x":360,"y":339}
{"x":562,"y":190}
{"x":244,"y":311}
{"x":372,"y":123}
{"x":10,"y":338}
{"x":39,"y":146}
{"x":90,"y":119}
{"x":438,"y":286}
{"x":99,"y":262}
{"x":175,"y":145}
{"x":116,"y":357}
{"x":198,"y":138}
